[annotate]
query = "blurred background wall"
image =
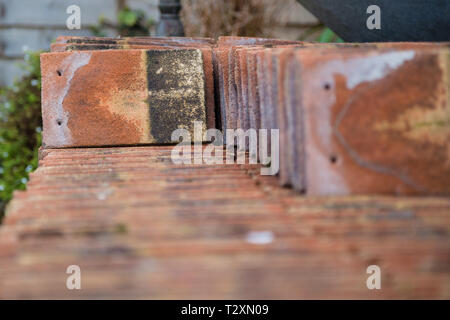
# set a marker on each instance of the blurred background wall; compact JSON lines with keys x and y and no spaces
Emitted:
{"x":33,"y":24}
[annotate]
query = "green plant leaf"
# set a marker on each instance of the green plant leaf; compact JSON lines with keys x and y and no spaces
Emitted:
{"x":128,"y":18}
{"x":326,"y":36}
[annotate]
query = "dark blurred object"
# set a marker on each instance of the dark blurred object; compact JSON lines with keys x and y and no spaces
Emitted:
{"x":401,"y":20}
{"x":170,"y":24}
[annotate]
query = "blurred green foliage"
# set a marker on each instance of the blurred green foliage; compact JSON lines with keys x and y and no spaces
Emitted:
{"x":20,"y":129}
{"x":130,"y":23}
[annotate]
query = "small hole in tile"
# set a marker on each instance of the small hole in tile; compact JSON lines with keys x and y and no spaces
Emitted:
{"x":59,"y":122}
{"x":327,"y":86}
{"x":333,"y":159}
{"x":59,"y":72}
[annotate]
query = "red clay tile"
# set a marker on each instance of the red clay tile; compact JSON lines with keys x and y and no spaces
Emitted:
{"x":91,"y":43}
{"x":354,"y":118}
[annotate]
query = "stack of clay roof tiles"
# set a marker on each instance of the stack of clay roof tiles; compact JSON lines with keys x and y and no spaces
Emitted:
{"x":370,"y":119}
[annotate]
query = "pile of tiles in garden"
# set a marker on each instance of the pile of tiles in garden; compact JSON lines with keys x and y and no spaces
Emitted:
{"x":352,"y":118}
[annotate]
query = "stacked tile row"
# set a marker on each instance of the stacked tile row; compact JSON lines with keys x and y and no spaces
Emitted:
{"x":142,"y":227}
{"x":352,"y":118}
{"x":154,"y":43}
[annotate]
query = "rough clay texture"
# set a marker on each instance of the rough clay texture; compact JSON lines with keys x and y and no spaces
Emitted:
{"x":354,"y":118}
{"x":204,"y":44}
{"x":229,"y":77}
{"x":94,"y":98}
